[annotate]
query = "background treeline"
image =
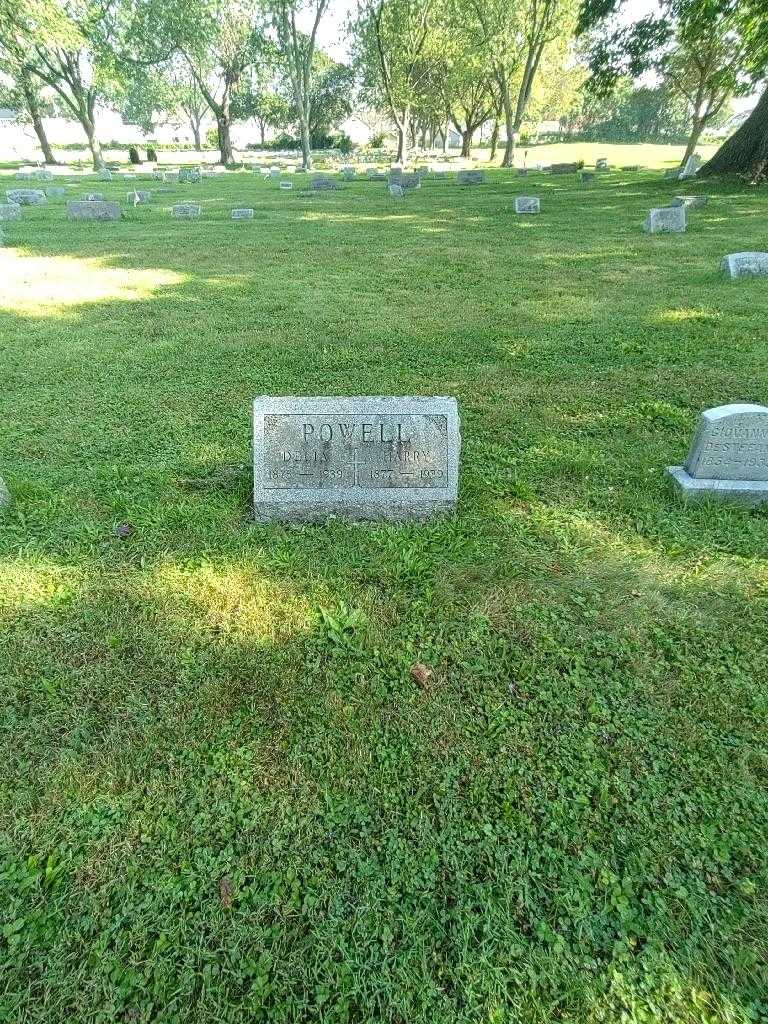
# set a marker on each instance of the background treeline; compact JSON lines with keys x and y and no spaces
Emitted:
{"x":418,"y":71}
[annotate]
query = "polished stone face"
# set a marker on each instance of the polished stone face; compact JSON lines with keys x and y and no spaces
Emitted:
{"x":361,"y":458}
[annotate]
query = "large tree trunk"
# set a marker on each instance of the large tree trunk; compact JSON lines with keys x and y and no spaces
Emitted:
{"x":306,"y":148}
{"x":508,"y":159}
{"x":746,"y":151}
{"x":494,"y":139}
{"x":466,"y":142}
{"x":446,"y":130}
{"x":226,"y":155}
{"x":402,"y":139}
{"x":30,"y":97}
{"x":93,"y":143}
{"x":693,"y":140}
{"x":195,"y":126}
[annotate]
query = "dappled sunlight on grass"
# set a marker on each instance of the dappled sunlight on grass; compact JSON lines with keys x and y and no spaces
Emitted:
{"x":676,"y":316}
{"x":40,"y":286}
{"x":26,"y":584}
{"x":239,"y":604}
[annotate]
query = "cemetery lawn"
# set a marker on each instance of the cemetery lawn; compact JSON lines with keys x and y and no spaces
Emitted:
{"x":224,"y":797}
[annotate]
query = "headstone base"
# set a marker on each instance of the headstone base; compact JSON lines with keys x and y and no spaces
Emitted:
{"x":743,"y":492}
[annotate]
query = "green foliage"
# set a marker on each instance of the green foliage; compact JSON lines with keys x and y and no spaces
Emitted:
{"x":224,"y":799}
{"x":151,"y":154}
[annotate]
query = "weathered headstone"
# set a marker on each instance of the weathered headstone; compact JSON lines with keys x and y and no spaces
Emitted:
{"x":44,"y":174}
{"x":188,"y":210}
{"x":665,"y":219}
{"x":601,"y":164}
{"x":564,"y":168}
{"x":690,"y":202}
{"x":25,"y":196}
{"x":395,"y":190}
{"x":357,"y":458}
{"x":470,"y":177}
{"x":93,"y":197}
{"x":409,"y":181}
{"x":10,"y":211}
{"x":242,"y":213}
{"x":189,"y":175}
{"x":105,"y":174}
{"x":93,"y":210}
{"x":631,"y":167}
{"x":158,"y":175}
{"x":728,"y":459}
{"x":527,"y":204}
{"x":746,"y":264}
{"x":691,"y":166}
{"x":347,"y":174}
{"x":322,"y":183}
{"x":139,"y":197}
{"x":586,"y":177}
{"x":286,"y":186}
{"x":56,"y":192}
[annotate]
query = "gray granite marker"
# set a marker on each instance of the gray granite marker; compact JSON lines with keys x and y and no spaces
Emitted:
{"x":470,"y":177}
{"x":93,"y":210}
{"x":690,"y":202}
{"x":242,"y":213}
{"x":665,"y":219}
{"x":186,"y":210}
{"x":354,"y":458}
{"x":746,"y":264}
{"x":728,"y":459}
{"x":26,"y":196}
{"x":10,"y":211}
{"x":527,"y":204}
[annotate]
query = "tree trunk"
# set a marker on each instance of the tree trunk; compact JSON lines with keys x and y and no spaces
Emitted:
{"x":466,"y":142}
{"x":226,"y":155}
{"x":508,"y":159}
{"x":494,"y":139}
{"x":263,"y":133}
{"x":33,"y":108}
{"x":402,"y":139}
{"x":306,"y":149}
{"x":93,"y":143}
{"x":196,"y":134}
{"x":446,"y":130}
{"x":693,"y":140}
{"x":746,"y":151}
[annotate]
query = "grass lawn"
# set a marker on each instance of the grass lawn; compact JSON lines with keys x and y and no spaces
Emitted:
{"x":223,"y":797}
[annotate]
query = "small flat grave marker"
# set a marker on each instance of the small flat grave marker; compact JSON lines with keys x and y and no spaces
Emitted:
{"x":690,"y":202}
{"x":10,"y":211}
{"x":728,"y":459}
{"x":470,"y":177}
{"x":355,"y":458}
{"x":527,"y":204}
{"x":395,"y":190}
{"x":25,"y":196}
{"x":242,"y":213}
{"x":286,"y":186}
{"x":93,"y":210}
{"x":746,"y":264}
{"x":186,"y":210}
{"x":665,"y":219}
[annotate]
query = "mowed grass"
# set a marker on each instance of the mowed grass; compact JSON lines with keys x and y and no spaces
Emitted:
{"x":223,"y":796}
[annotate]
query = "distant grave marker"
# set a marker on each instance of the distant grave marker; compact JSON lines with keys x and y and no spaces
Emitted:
{"x":186,"y":211}
{"x":527,"y":204}
{"x":242,"y":213}
{"x":669,"y":219}
{"x":10,"y":211}
{"x":93,"y":210}
{"x":746,"y":264}
{"x":470,"y":177}
{"x":690,"y":202}
{"x":26,"y":196}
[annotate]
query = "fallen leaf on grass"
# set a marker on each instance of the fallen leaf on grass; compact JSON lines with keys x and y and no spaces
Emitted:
{"x":225,"y":892}
{"x":421,"y":674}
